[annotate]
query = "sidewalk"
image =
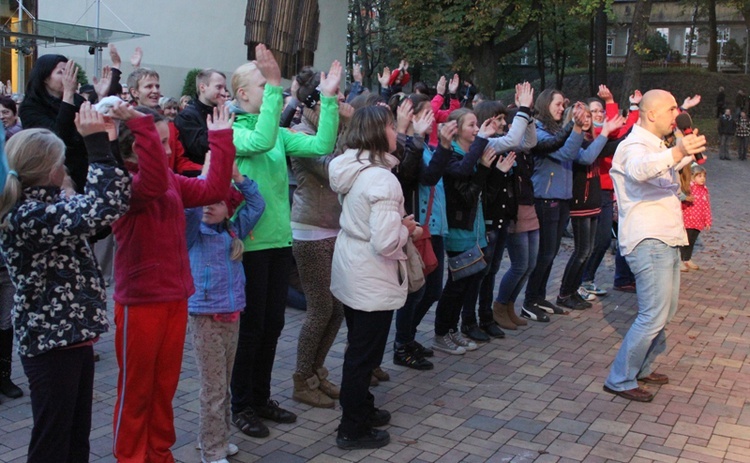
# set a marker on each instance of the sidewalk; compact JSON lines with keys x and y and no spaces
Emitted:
{"x":534,"y":396}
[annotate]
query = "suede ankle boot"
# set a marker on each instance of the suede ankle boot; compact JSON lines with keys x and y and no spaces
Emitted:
{"x":307,"y":391}
{"x":513,"y":317}
{"x":328,"y":388}
{"x":500,"y":314}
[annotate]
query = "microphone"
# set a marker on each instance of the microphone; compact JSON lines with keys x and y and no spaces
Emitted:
{"x":685,"y":124}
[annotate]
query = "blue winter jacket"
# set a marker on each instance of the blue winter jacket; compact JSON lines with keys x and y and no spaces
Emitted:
{"x":553,"y":172}
{"x":220,"y":281}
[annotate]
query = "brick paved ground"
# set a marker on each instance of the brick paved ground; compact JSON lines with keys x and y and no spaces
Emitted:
{"x":534,"y":396}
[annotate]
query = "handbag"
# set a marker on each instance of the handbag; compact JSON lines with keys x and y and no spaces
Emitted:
{"x":467,"y":263}
{"x":424,"y":243}
{"x":414,"y":267}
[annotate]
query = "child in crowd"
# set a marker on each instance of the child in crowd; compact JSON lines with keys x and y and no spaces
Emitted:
{"x":153,"y":277}
{"x":368,"y":271}
{"x":215,"y":251}
{"x":696,"y":213}
{"x":60,"y":301}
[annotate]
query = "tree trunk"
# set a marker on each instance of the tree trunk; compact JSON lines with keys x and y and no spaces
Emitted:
{"x":591,"y":57}
{"x":691,"y":39}
{"x":540,"y":59}
{"x":484,"y":59}
{"x":631,"y":77}
{"x":713,"y":37}
{"x":600,"y":48}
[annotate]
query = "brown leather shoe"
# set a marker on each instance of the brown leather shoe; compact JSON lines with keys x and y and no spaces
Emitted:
{"x":655,"y":378}
{"x":638,"y":394}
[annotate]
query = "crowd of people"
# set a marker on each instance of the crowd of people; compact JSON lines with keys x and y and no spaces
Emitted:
{"x":215,"y":199}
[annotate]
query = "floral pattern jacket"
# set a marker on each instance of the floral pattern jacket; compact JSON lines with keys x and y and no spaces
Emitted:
{"x":60,"y":295}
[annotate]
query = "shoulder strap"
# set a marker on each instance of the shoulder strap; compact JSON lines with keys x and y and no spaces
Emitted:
{"x":429,"y":206}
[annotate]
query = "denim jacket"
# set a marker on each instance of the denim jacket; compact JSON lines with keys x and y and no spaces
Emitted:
{"x":220,"y":281}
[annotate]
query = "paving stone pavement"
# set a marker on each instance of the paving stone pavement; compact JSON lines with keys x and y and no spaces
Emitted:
{"x":534,"y":396}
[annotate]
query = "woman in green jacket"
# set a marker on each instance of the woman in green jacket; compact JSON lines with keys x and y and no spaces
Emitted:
{"x":262,"y":148}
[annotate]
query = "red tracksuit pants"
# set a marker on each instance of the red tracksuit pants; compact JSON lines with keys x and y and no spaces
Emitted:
{"x":149,"y":340}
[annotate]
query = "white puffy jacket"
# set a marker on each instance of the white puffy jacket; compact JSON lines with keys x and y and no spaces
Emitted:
{"x":369,"y":264}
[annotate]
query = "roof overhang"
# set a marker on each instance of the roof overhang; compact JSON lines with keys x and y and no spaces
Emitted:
{"x":51,"y":32}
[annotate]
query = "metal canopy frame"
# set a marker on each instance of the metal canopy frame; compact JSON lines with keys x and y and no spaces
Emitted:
{"x":51,"y":32}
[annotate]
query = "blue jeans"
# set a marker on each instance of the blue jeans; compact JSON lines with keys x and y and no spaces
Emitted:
{"x":584,"y":236}
{"x":657,"y":274}
{"x":553,"y":217}
{"x":433,"y":288}
{"x":405,"y":328}
{"x":523,"y":249}
{"x":493,"y":255}
{"x":603,"y":238}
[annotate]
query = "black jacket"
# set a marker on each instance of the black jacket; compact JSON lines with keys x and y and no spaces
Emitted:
{"x":48,"y":112}
{"x":191,"y":122}
{"x":727,"y":125}
{"x":463,"y":184}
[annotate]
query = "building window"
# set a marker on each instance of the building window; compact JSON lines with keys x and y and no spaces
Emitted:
{"x":525,"y":56}
{"x":722,"y":38}
{"x":610,"y":46}
{"x":694,"y":50}
{"x":664,"y":31}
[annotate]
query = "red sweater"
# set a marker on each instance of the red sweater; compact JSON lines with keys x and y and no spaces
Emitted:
{"x":178,"y":162}
{"x":151,"y":261}
{"x":441,"y":115}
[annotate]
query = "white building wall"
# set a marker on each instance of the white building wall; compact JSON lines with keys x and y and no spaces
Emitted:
{"x":183,"y":34}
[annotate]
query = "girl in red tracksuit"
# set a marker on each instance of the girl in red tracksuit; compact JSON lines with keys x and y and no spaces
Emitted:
{"x":153,"y":280}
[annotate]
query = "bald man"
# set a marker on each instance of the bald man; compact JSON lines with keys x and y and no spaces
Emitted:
{"x":645,"y":176}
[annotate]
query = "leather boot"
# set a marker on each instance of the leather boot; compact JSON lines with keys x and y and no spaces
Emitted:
{"x":513,"y":317}
{"x":307,"y":391}
{"x":500,"y":314}
{"x":328,"y":388}
{"x":6,"y":351}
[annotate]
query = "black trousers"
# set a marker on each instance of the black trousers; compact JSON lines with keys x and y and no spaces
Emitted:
{"x":367,"y":337}
{"x":61,"y":382}
{"x":267,"y":279}
{"x":686,"y":252}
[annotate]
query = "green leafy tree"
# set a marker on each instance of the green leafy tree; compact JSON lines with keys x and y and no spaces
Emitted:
{"x":735,"y":53}
{"x":188,"y":87}
{"x":81,"y":77}
{"x":476,"y":33}
{"x":656,"y":48}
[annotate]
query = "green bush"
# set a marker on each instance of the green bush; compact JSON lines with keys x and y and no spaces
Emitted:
{"x":81,"y":77}
{"x":188,"y":88}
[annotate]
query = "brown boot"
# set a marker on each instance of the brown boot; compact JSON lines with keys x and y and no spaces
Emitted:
{"x":500,"y":314}
{"x":328,"y":388}
{"x":513,"y":317}
{"x":308,"y":392}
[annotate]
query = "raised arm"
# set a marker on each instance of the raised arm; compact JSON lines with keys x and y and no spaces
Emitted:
{"x":250,"y":212}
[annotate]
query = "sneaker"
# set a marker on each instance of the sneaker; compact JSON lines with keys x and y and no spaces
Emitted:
{"x":692,"y":265}
{"x":407,"y":356}
{"x":462,"y":341}
{"x":585,"y":295}
{"x":475,"y":333}
{"x":531,"y":311}
{"x":272,"y":411}
{"x":492,"y":329}
{"x":249,"y":423}
{"x":423,"y":351}
{"x":445,"y":344}
{"x":570,"y":302}
{"x":593,"y":289}
{"x":586,"y":304}
{"x":223,"y":460}
{"x":373,"y":439}
{"x":231,"y":449}
{"x":627,"y":288}
{"x":550,"y":307}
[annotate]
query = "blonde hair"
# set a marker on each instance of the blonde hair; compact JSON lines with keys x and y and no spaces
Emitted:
{"x":242,"y":76}
{"x":32,"y":155}
{"x":237,"y":248}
